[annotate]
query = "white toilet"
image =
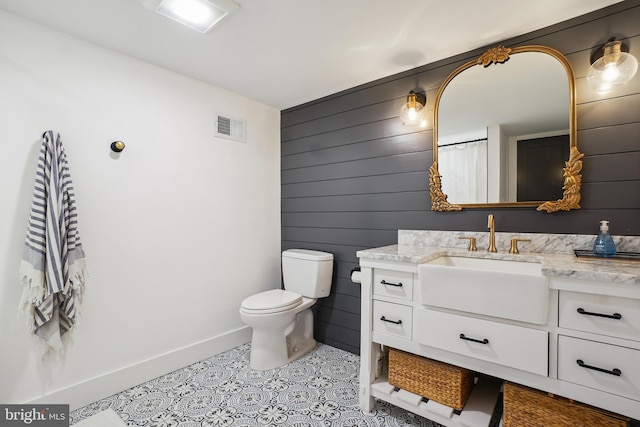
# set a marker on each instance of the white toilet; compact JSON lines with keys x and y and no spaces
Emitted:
{"x":281,"y":319}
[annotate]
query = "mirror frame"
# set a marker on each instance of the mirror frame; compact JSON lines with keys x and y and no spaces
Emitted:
{"x":573,"y":166}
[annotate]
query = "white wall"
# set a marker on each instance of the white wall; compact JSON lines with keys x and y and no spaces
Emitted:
{"x":177,"y":229}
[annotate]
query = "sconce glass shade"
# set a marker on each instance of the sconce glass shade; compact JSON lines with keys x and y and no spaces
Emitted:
{"x":412,"y":112}
{"x":614,"y":69}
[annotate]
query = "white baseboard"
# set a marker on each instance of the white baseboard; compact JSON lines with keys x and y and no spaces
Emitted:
{"x":96,"y":388}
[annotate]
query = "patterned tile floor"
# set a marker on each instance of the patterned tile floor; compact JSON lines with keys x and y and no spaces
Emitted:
{"x":320,"y":389}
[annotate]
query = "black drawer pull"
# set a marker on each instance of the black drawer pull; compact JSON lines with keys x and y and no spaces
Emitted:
{"x":615,"y":371}
{"x":395,"y":322}
{"x":609,"y":316}
{"x":384,"y":282}
{"x":484,"y":341}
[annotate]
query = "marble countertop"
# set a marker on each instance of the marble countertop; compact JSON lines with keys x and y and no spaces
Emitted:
{"x":562,"y":265}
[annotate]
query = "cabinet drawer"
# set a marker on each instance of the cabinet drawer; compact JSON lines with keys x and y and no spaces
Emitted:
{"x":507,"y":345}
{"x":600,"y":314}
{"x":597,"y":357}
{"x":392,"y":319}
{"x":391,"y":283}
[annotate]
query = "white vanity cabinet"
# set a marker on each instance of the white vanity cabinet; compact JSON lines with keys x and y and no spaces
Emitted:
{"x":581,"y":325}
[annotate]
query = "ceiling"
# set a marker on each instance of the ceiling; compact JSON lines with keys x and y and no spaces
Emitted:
{"x":288,"y":52}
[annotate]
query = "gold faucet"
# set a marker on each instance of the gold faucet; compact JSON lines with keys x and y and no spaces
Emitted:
{"x":492,"y":234}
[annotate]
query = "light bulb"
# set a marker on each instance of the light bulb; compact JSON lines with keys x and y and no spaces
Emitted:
{"x":614,"y":69}
{"x":610,"y":72}
{"x":412,"y":112}
{"x":191,"y":11}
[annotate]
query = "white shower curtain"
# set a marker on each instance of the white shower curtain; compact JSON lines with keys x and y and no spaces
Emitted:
{"x":463,"y":167}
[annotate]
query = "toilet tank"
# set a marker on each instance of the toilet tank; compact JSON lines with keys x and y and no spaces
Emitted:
{"x":307,"y":272}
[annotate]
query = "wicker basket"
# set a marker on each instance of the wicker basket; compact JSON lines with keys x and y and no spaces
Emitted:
{"x":527,"y":407}
{"x":441,"y":382}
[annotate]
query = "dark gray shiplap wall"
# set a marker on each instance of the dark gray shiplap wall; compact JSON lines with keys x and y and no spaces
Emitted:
{"x":352,"y":175}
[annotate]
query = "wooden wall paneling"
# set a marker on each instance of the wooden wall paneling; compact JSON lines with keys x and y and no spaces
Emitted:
{"x":385,"y":202}
{"x":404,"y":162}
{"x":376,"y":147}
{"x":352,"y":134}
{"x":404,"y":181}
{"x":623,"y":166}
{"x":610,"y":139}
{"x":340,"y":236}
{"x":612,"y":195}
{"x":327,"y":314}
{"x":609,"y":112}
{"x":343,"y":284}
{"x":391,"y":220}
{"x":370,"y":113}
{"x":346,"y":303}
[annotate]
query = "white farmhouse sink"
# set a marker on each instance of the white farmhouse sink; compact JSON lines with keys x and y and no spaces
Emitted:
{"x":506,"y":289}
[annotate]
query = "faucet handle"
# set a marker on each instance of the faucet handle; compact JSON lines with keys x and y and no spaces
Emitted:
{"x":514,"y":245}
{"x":472,"y":242}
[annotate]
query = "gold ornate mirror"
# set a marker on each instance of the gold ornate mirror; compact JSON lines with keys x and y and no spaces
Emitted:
{"x":505,"y":133}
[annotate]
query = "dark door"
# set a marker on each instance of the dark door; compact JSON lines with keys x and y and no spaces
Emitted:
{"x":540,"y":165}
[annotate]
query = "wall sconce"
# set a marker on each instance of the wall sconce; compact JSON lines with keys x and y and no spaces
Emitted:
{"x":615,"y":68}
{"x":412,"y":112}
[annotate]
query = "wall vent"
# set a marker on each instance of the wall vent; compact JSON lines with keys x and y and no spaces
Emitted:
{"x":229,"y":128}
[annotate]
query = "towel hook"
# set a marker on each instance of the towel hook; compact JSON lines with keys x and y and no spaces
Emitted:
{"x":117,"y":146}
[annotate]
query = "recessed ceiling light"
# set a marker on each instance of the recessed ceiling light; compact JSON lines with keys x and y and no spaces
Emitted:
{"x":201,"y":15}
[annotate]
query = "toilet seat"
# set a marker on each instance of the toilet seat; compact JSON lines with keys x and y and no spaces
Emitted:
{"x":269,"y":302}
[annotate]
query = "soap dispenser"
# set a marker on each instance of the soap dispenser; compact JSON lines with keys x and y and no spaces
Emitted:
{"x":604,"y":245}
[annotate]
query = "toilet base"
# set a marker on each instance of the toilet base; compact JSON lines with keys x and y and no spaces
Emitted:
{"x":270,"y":351}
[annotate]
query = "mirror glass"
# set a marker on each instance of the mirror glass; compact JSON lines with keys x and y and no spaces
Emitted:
{"x":503,"y":131}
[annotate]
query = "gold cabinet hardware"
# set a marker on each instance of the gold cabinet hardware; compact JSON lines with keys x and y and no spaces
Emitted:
{"x":472,"y":242}
{"x":514,"y":245}
{"x":117,"y":146}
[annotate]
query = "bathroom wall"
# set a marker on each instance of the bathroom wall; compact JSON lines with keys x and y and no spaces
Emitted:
{"x":177,"y":229}
{"x":352,"y":175}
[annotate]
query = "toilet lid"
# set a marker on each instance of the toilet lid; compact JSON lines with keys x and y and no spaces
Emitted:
{"x":272,"y":301}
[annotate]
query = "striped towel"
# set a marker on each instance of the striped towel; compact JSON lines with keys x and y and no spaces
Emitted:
{"x":52,"y":270}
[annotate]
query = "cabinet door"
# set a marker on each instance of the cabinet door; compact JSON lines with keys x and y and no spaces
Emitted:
{"x":394,"y":284}
{"x":600,"y":314}
{"x":507,"y":345}
{"x":601,"y":366}
{"x":392,"y":319}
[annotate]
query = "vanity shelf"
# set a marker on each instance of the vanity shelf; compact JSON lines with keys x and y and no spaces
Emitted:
{"x":478,"y":410}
